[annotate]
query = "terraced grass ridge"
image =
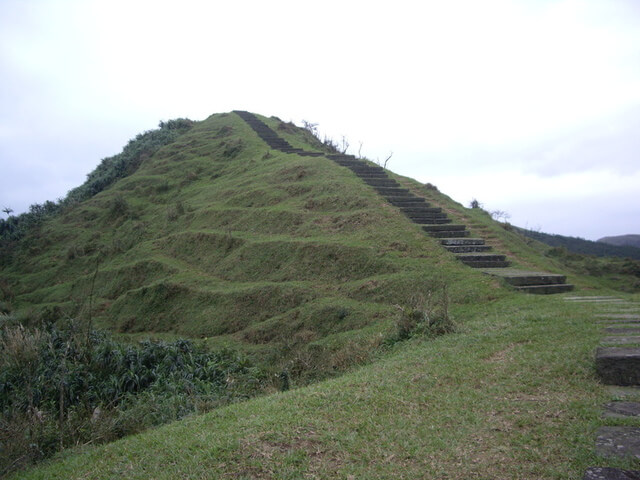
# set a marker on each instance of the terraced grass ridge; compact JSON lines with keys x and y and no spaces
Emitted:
{"x":246,"y":232}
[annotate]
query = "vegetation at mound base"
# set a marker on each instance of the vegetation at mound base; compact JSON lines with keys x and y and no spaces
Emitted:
{"x":69,"y":385}
{"x":512,"y":394}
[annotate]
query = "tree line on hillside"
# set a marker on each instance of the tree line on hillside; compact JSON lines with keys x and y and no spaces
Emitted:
{"x":582,"y":246}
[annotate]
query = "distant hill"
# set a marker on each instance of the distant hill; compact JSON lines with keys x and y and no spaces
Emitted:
{"x":588,"y":247}
{"x":622,"y":240}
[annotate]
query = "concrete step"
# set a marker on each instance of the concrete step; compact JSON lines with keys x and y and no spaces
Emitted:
{"x":619,"y":340}
{"x":382,"y":182}
{"x":630,"y":329}
{"x":430,"y":220}
{"x":621,"y":410}
{"x":618,"y":442}
{"x":487,"y":263}
{"x":546,"y":289}
{"x":401,"y":202}
{"x":372,"y":175}
{"x":462,"y":241}
{"x":406,"y":198}
{"x":363,"y":168}
{"x":531,"y":279}
{"x":618,"y":365}
{"x":481,"y":257}
{"x":391,"y":191}
{"x":468,"y":248}
{"x":421,"y":209}
{"x":449,"y":234}
{"x":439,"y":228}
{"x":425,"y":214}
{"x":607,"y":473}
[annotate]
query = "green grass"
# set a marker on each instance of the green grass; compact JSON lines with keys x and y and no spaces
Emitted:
{"x":296,"y":262}
{"x":511,"y":395}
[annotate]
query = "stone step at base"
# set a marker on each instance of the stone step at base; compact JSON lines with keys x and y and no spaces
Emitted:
{"x":453,"y":227}
{"x":381,"y":183}
{"x":406,"y":199}
{"x":430,"y":221}
{"x":364,"y":169}
{"x":607,"y":473}
{"x":611,"y":321}
{"x":372,"y":175}
{"x":626,"y":330}
{"x":532,"y":279}
{"x":462,"y":241}
{"x":426,"y":214}
{"x":618,"y":365}
{"x":468,"y":248}
{"x":421,"y":209}
{"x":618,"y":442}
{"x":476,"y":257}
{"x":392,"y":191}
{"x":624,"y":393}
{"x":487,"y":263}
{"x":546,"y":289}
{"x":450,"y":234}
{"x":620,"y":316}
{"x":621,"y":410}
{"x":617,"y":340}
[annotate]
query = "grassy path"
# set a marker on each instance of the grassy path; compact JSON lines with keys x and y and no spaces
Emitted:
{"x":513,"y":395}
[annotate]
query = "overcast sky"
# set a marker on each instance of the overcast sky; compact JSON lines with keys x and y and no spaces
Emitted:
{"x":531,"y":107}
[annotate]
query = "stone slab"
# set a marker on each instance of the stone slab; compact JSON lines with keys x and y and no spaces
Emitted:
{"x":621,"y":409}
{"x":618,"y":442}
{"x":626,"y":330}
{"x":618,"y":365}
{"x":610,"y":320}
{"x":625,"y":393}
{"x":592,"y":298}
{"x":619,"y":316}
{"x":607,"y":473}
{"x":621,"y":340}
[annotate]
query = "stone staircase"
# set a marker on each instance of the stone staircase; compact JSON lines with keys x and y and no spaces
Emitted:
{"x":433,"y":221}
{"x":270,"y":137}
{"x":617,"y":365}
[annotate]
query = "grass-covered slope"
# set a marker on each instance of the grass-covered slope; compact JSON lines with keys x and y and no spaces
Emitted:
{"x":217,"y":237}
{"x":511,"y":395}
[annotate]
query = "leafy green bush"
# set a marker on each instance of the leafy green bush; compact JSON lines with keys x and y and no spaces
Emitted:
{"x":61,"y":386}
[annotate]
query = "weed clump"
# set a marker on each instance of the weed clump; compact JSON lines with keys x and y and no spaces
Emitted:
{"x":426,"y":315}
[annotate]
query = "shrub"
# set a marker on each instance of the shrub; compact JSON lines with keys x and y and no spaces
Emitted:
{"x":426,"y":315}
{"x":67,"y":385}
